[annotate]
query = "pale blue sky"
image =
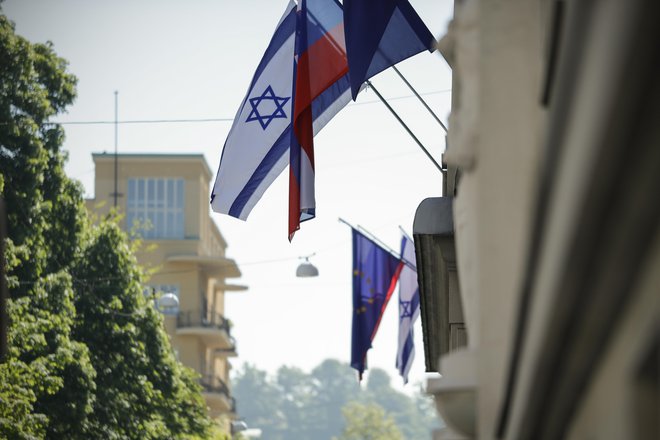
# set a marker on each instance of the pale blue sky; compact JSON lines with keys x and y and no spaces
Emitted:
{"x":194,"y":59}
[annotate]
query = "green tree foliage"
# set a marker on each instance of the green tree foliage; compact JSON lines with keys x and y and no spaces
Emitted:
{"x":142,"y":391}
{"x":337,"y":385}
{"x":258,"y":401}
{"x":368,"y":422}
{"x":88,"y":355}
{"x":413,"y":418}
{"x":298,"y":405}
{"x":296,"y":390}
{"x":48,"y":380}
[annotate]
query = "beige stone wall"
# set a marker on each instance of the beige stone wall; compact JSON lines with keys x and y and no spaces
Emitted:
{"x":618,"y":403}
{"x":494,"y":134}
{"x":501,"y":135}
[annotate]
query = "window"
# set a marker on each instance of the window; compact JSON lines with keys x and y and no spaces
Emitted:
{"x":157,"y":203}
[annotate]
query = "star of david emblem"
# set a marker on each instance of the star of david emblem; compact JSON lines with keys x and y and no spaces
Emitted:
{"x":405,"y":309}
{"x":272,"y":103}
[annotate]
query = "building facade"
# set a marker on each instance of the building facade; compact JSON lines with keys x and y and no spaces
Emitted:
{"x":164,"y":199}
{"x":539,"y":269}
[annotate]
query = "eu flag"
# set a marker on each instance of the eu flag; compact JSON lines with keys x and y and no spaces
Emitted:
{"x":379,"y":34}
{"x":375,"y":274}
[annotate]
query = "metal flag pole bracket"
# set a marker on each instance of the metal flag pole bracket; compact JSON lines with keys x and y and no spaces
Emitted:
{"x":420,"y":98}
{"x":403,"y":124}
{"x":403,"y":231}
{"x":376,"y":240}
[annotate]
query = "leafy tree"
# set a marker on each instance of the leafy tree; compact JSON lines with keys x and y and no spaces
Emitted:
{"x":258,"y":402}
{"x":368,"y":422}
{"x":142,"y":392}
{"x":297,"y":395}
{"x":336,"y":385}
{"x":48,"y":381}
{"x":298,"y":405}
{"x":414,"y":417}
{"x":88,"y":357}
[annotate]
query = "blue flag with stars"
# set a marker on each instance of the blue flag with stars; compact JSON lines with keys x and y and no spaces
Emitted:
{"x":375,"y":274}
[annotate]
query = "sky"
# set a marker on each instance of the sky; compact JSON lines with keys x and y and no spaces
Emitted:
{"x":194,"y":59}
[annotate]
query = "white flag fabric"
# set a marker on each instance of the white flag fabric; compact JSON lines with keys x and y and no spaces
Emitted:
{"x":408,"y":309}
{"x":257,"y":147}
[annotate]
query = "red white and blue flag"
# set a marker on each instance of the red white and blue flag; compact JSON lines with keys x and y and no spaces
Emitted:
{"x":321,"y":68}
{"x":408,"y":308}
{"x":258,"y":145}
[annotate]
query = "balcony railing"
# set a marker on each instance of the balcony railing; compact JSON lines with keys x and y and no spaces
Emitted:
{"x":212,"y":328}
{"x":214,"y":384}
{"x":201,"y":319}
{"x":228,"y":351}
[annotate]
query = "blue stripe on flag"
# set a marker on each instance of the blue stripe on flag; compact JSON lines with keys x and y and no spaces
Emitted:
{"x":282,"y":33}
{"x":280,"y":147}
{"x":407,"y":349}
{"x":414,"y":302}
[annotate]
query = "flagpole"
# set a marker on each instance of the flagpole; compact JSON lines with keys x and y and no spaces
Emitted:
{"x":406,"y":234}
{"x":387,"y":248}
{"x":403,"y":124}
{"x":375,"y":239}
{"x":115,"y":194}
{"x":420,"y":98}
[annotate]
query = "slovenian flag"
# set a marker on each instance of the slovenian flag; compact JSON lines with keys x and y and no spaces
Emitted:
{"x":321,"y":73}
{"x":257,"y":148}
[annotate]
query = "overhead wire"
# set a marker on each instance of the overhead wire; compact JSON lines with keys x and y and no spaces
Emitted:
{"x":203,"y":120}
{"x":194,"y":120}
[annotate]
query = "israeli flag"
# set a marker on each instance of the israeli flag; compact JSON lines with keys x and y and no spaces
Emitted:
{"x":257,"y":148}
{"x":408,"y":309}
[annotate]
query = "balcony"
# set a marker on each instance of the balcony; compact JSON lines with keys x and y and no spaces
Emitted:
{"x":215,"y":267}
{"x":212,"y":328}
{"x":217,"y":395}
{"x":228,"y":352}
